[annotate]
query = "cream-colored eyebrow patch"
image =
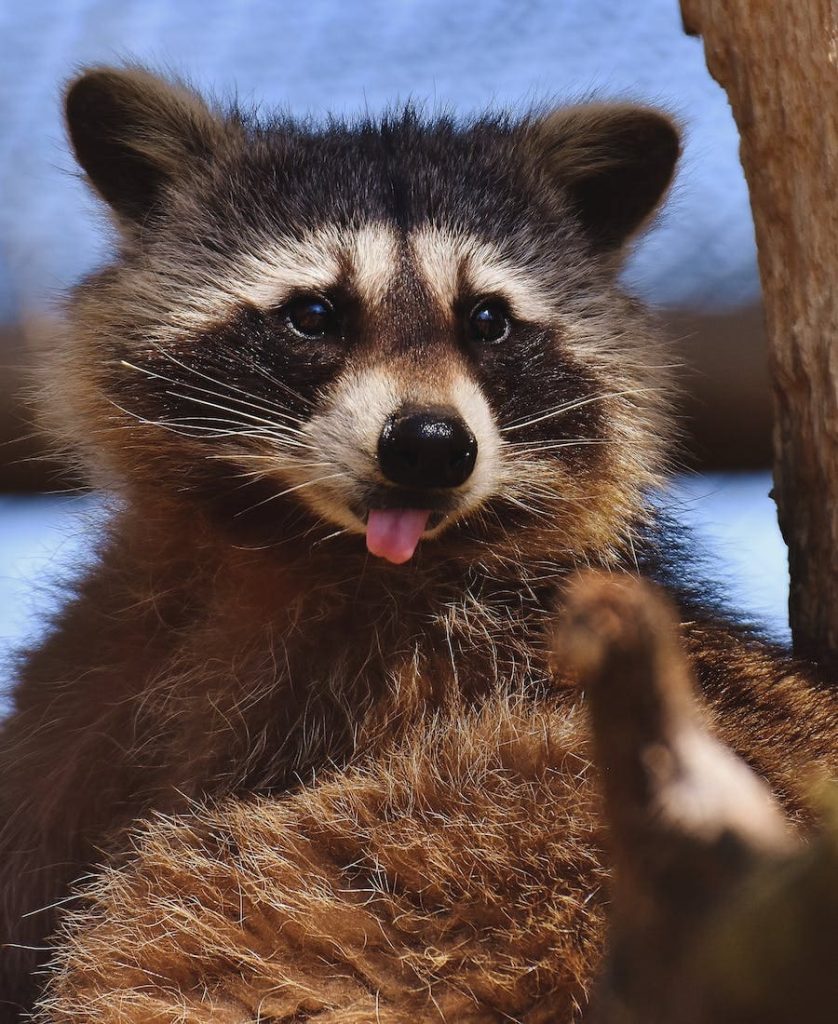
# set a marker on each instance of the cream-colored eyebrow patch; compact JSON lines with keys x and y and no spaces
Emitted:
{"x":269,"y":272}
{"x":372,"y":257}
{"x":271,"y":269}
{"x":368,"y":256}
{"x":451,"y":261}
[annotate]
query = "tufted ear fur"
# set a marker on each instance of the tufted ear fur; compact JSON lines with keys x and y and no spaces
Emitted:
{"x":615,"y":161}
{"x":133,"y":133}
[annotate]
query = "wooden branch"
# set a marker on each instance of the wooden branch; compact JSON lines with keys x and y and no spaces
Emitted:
{"x":778,"y":62}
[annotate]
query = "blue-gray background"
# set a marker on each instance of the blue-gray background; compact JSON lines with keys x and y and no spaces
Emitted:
{"x":340,"y":55}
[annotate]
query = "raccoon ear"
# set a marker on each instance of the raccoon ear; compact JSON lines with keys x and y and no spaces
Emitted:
{"x":133,"y":132}
{"x":615,"y":161}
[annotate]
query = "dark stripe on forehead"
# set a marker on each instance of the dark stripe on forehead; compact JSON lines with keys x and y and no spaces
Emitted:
{"x":410,"y":321}
{"x":404,"y":169}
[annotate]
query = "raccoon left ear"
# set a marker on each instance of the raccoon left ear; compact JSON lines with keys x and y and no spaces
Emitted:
{"x":615,"y":162}
{"x":134,"y":133}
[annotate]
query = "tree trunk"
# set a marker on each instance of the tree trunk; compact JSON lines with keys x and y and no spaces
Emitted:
{"x":778,"y":62}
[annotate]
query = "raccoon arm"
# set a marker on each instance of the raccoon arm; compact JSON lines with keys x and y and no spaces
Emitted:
{"x":777,"y":713}
{"x":69,"y":772}
{"x":64,"y":783}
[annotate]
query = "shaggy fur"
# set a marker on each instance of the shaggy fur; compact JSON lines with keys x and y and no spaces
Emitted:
{"x":456,"y":876}
{"x":233,"y":636}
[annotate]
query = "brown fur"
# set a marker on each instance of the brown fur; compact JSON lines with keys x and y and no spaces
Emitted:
{"x":230,"y":641}
{"x":457,"y":876}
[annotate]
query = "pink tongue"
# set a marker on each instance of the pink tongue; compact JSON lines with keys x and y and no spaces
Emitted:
{"x":393,"y":533}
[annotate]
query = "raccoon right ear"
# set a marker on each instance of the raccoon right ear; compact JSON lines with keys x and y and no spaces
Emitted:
{"x":133,"y":133}
{"x":614,"y":161}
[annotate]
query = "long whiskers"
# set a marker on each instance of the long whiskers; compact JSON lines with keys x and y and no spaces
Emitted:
{"x":288,"y":490}
{"x":524,"y":448}
{"x":276,"y":424}
{"x":566,"y":407}
{"x":252,"y":364}
{"x":260,"y":406}
{"x":218,"y":428}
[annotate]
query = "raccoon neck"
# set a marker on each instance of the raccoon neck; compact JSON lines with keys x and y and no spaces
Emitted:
{"x":286,"y":636}
{"x":306,"y":565}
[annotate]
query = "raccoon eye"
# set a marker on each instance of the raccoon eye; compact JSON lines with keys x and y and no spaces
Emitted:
{"x":310,"y":316}
{"x":488,"y":321}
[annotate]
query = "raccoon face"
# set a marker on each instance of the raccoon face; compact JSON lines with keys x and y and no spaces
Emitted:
{"x":404,"y":329}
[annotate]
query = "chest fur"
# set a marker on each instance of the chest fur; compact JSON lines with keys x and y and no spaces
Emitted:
{"x":256,"y":695}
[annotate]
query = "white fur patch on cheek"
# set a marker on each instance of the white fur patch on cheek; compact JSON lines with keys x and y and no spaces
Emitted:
{"x":347,"y":432}
{"x":345,"y":436}
{"x":467,"y":398}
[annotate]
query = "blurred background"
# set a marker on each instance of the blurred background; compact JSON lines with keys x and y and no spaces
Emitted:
{"x":697,"y":265}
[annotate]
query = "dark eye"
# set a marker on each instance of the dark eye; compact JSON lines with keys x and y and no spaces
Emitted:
{"x":310,"y":316}
{"x":488,"y":321}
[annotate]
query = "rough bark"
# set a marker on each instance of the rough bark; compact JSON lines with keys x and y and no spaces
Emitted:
{"x":778,"y":62}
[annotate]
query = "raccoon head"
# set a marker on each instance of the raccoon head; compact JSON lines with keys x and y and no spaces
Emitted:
{"x":404,"y":329}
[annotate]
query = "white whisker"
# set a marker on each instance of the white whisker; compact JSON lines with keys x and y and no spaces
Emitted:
{"x":271,"y":411}
{"x":289,"y":490}
{"x":224,"y":384}
{"x":571,"y":406}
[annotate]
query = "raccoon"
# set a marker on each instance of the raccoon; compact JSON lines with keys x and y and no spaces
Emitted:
{"x":365,"y":397}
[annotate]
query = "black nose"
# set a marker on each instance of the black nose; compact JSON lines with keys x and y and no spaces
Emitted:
{"x":427,"y":448}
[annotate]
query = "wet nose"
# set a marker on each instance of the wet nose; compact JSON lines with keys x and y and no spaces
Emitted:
{"x":427,"y":448}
